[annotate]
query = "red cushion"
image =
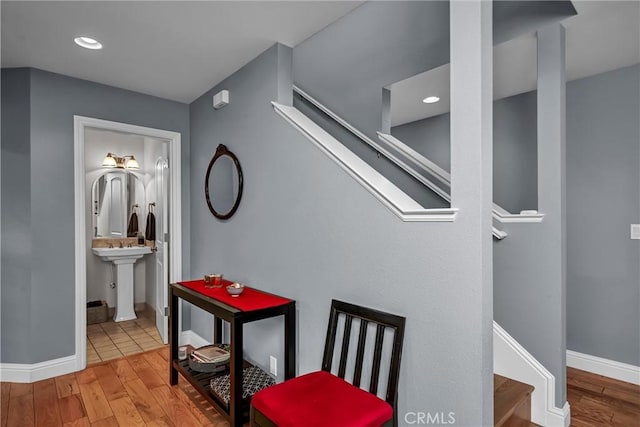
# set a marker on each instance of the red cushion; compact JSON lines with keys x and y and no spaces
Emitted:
{"x":321,"y":399}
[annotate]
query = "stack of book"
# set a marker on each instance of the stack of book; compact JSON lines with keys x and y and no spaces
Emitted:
{"x":210,"y":358}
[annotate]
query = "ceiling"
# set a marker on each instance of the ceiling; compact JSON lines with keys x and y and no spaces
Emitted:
{"x":603,"y":36}
{"x":171,"y":49}
{"x":180,"y":49}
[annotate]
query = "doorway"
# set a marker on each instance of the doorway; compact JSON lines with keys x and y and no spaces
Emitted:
{"x":166,"y":264}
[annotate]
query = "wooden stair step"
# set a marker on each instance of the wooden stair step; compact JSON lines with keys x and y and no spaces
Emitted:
{"x":511,"y":402}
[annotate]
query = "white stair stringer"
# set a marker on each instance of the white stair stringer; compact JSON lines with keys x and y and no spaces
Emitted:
{"x":513,"y":361}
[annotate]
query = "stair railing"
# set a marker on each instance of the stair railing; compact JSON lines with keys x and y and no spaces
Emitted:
{"x":418,"y":166}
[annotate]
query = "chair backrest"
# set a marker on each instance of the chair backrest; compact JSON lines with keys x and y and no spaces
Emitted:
{"x":382,"y":321}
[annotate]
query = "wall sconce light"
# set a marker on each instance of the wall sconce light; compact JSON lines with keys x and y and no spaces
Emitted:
{"x":125,"y":162}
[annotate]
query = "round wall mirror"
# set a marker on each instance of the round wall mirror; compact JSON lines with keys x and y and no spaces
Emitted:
{"x":223,"y":183}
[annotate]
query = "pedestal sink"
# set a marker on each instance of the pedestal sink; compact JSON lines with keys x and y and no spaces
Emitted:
{"x":123,"y":259}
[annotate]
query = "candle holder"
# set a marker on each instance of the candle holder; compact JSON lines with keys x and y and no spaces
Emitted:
{"x":213,"y":280}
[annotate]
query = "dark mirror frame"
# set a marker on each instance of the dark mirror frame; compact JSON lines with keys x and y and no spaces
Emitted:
{"x":222,"y":150}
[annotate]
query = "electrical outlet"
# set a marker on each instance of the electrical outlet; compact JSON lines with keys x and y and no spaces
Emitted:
{"x":635,"y":231}
{"x":273,"y":365}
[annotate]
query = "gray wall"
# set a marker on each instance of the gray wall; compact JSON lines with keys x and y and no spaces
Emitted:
{"x":307,"y":230}
{"x":431,"y":137}
{"x":523,"y":291}
{"x":55,"y":99}
{"x":514,"y":148}
{"x":603,"y":277}
{"x":603,"y":198}
{"x":529,"y":265}
{"x":16,"y":214}
{"x":346,"y":65}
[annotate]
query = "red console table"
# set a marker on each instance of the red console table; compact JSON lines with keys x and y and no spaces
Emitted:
{"x":250,"y":306}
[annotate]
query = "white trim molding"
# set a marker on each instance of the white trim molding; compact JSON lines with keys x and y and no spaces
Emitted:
{"x":605,"y":367}
{"x":380,"y":187}
{"x":428,"y":167}
{"x":523,"y":217}
{"x":28,"y":373}
{"x":80,"y":123}
{"x":191,"y":338}
{"x":511,"y":360}
{"x":425,"y":165}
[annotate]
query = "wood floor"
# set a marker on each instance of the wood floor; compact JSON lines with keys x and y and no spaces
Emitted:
{"x":135,"y":391}
{"x":130,"y":391}
{"x":600,"y":401}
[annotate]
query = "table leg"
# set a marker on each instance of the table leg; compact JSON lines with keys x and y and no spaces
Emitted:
{"x":235,"y":367}
{"x":173,"y":336}
{"x":217,"y":330}
{"x":290,"y":342}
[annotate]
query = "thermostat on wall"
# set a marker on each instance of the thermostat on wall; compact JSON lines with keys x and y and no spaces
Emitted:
{"x":220,"y":99}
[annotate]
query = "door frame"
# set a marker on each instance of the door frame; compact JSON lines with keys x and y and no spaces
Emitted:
{"x":80,"y":123}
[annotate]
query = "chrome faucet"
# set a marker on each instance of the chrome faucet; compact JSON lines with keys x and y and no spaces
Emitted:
{"x":111,"y":245}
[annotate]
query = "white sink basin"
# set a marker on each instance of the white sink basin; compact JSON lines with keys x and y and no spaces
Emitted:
{"x":121,"y":254}
{"x":123,"y":259}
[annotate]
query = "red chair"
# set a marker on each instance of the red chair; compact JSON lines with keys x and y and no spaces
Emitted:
{"x":322,"y":399}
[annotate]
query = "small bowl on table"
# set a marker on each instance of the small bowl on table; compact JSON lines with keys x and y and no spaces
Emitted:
{"x":235,"y":289}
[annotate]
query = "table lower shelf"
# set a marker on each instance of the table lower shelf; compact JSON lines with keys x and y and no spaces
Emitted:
{"x":254,"y":379}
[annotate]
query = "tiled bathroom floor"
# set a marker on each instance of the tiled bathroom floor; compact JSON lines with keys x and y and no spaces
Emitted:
{"x":110,"y":340}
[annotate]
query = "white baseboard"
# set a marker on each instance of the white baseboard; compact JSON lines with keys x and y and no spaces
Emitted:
{"x":28,"y":373}
{"x":608,"y":368}
{"x":513,"y":361}
{"x":191,"y":338}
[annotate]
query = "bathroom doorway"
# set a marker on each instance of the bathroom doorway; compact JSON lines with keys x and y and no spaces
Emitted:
{"x":152,"y":203}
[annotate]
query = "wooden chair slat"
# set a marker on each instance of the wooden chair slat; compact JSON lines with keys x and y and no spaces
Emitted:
{"x":362,"y":340}
{"x":344,"y":352}
{"x":330,"y":341}
{"x":377,"y":357}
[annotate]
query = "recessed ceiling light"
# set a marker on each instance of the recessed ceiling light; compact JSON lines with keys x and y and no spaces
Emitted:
{"x":431,"y":99}
{"x":88,"y":43}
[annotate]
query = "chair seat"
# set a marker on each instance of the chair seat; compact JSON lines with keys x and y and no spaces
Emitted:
{"x":320,"y":399}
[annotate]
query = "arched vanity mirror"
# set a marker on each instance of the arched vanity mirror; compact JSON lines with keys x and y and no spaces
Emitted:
{"x":113,"y":197}
{"x":223,"y":183}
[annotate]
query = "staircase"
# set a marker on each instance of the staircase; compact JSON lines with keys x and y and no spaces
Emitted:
{"x":511,"y":402}
{"x":515,"y":403}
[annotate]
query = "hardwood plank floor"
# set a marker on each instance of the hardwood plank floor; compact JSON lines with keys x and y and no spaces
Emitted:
{"x":45,"y":399}
{"x":598,"y":401}
{"x":134,"y":390}
{"x":130,"y":391}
